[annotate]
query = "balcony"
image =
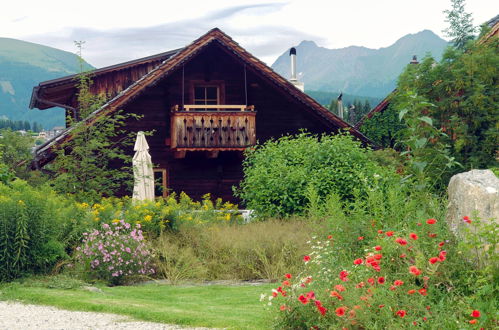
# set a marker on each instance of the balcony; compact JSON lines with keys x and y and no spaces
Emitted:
{"x":213,"y":127}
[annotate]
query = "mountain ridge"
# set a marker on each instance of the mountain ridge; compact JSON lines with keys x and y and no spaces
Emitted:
{"x":357,"y":69}
{"x":24,"y":65}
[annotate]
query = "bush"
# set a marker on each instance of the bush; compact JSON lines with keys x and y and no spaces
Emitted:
{"x":162,"y":214}
{"x":278,"y":174}
{"x":37,"y":229}
{"x":115,"y":253}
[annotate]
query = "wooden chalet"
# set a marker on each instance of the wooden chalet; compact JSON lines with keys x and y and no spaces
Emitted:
{"x":206,"y":103}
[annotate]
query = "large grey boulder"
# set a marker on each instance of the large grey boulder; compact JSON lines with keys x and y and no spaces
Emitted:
{"x":473,"y":193}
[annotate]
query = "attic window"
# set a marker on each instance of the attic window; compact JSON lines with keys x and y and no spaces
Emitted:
{"x":206,"y":94}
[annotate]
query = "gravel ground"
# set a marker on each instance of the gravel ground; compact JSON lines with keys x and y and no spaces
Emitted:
{"x":16,"y":316}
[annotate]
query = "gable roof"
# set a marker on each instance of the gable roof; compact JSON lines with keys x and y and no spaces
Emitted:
{"x":181,"y":56}
{"x":55,"y":92}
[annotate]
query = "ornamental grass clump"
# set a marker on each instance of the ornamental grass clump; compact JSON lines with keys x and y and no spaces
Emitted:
{"x":400,"y":279}
{"x":116,"y":253}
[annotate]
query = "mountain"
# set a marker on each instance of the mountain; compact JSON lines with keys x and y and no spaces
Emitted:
{"x":358,"y":70}
{"x":24,"y":65}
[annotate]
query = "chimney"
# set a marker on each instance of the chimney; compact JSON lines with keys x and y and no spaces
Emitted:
{"x":294,"y":80}
{"x":414,"y":60}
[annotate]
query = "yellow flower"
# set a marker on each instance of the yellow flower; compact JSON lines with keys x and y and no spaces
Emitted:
{"x":148,"y":218}
{"x":158,"y":204}
{"x":227,"y":216}
{"x":116,"y":220}
{"x":20,"y":202}
{"x":84,"y":205}
{"x":96,"y":206}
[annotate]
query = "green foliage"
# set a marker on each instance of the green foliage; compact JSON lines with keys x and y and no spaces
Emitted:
{"x":382,"y":127}
{"x":221,"y":251}
{"x":37,"y":229}
{"x":444,"y":293}
{"x":161,"y":215}
{"x":461,"y":29}
{"x":93,"y":162}
{"x":278,"y":174}
{"x":427,"y":153}
{"x":464,"y":92}
{"x":15,"y":149}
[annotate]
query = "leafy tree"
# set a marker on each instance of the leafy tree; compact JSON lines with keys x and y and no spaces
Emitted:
{"x":15,"y":152}
{"x":93,"y":162}
{"x":461,"y":29}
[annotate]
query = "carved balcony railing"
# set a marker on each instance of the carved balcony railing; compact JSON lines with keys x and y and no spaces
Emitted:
{"x":213,"y":127}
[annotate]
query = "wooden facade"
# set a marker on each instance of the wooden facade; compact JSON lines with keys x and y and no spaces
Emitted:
{"x":205,"y":104}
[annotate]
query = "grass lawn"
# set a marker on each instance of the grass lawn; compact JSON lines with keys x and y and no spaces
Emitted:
{"x":234,"y":307}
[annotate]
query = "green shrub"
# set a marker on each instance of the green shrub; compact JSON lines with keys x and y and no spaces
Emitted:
{"x":162,"y":214}
{"x":278,"y":174}
{"x":37,"y":229}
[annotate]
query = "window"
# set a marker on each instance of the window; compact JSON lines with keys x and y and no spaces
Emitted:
{"x":160,"y":185}
{"x":207,"y":95}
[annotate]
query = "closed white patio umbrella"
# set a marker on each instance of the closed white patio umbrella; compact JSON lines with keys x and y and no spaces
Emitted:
{"x":143,"y":175}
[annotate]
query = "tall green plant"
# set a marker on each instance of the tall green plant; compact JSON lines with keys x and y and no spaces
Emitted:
{"x":93,"y":162}
{"x":461,"y":29}
{"x":426,"y":151}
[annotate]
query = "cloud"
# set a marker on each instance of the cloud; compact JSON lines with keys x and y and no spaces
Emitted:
{"x":107,"y":47}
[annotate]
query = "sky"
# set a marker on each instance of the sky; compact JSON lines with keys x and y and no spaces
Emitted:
{"x":118,"y":31}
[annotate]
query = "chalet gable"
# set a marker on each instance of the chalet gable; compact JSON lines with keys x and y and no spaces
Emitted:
{"x":172,"y":63}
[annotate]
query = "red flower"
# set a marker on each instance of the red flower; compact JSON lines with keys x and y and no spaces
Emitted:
{"x":414,"y":270}
{"x":431,"y":221}
{"x":473,"y":321}
{"x":434,"y":260}
{"x":380,"y":231}
{"x":377,"y":248}
{"x":401,"y":313}
{"x":339,"y":287}
{"x":303,"y":299}
{"x":311,"y":295}
{"x":412,"y":291}
{"x":287,"y":275}
{"x":318,"y":303}
{"x":432,"y":235}
{"x":441,"y":244}
{"x":343,"y":275}
{"x":381,"y":280}
{"x":308,"y":279}
{"x":398,"y":282}
{"x":370,"y":281}
{"x":378,"y":256}
{"x":401,"y":241}
{"x":337,"y":295}
{"x":403,"y":255}
{"x":389,"y":233}
{"x":357,"y":261}
{"x":306,"y":258}
{"x":329,"y":236}
{"x":360,"y":238}
{"x":340,"y":311}
{"x":283,"y":307}
{"x":422,"y":291}
{"x":274,"y":293}
{"x":441,"y":255}
{"x":322,"y":310}
{"x":413,"y":236}
{"x":381,"y":306}
{"x":393,"y":287}
{"x":360,"y":285}
{"x":466,"y":219}
{"x":475,"y":313}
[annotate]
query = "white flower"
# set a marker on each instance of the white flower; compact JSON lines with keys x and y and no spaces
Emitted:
{"x":262,"y":296}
